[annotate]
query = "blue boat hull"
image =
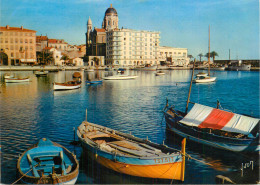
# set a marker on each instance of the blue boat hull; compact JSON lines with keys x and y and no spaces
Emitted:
{"x":206,"y":138}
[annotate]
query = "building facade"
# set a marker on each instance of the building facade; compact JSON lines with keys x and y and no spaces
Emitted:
{"x":126,"y":47}
{"x":96,"y":38}
{"x":59,"y":44}
{"x":19,"y":44}
{"x":173,"y":56}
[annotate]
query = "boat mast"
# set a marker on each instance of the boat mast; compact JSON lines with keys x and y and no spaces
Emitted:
{"x":209,"y":53}
{"x":188,"y":100}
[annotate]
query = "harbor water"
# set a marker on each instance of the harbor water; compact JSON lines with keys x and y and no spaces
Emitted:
{"x":32,"y":110}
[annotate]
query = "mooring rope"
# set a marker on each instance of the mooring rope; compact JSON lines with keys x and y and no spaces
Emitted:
{"x":24,"y":174}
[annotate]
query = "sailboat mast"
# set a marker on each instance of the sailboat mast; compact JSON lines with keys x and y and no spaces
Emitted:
{"x":209,"y":53}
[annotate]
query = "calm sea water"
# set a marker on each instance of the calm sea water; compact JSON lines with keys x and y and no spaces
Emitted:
{"x":31,"y":111}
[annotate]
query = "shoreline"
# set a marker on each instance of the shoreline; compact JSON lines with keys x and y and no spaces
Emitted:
{"x":78,"y":68}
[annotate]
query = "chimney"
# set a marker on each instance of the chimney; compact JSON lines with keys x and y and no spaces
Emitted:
{"x":21,"y":27}
{"x":7,"y":27}
{"x":110,"y":5}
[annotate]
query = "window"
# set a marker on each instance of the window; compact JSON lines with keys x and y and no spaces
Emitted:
{"x":26,"y":41}
{"x":1,"y":40}
{"x":12,"y":54}
{"x":21,"y":40}
{"x":12,"y":47}
{"x":31,"y":41}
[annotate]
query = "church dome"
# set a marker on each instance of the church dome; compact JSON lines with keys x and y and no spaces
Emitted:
{"x":111,"y":10}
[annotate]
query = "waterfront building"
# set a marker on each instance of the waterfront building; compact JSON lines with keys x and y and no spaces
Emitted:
{"x":59,"y":44}
{"x":127,"y":47}
{"x":41,"y":43}
{"x":18,"y":44}
{"x":173,"y":56}
{"x":96,"y":38}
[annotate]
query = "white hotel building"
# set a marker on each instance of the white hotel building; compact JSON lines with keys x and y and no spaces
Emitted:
{"x":126,"y":47}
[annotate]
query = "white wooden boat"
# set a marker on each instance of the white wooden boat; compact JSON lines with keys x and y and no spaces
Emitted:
{"x":8,"y":76}
{"x":120,"y":77}
{"x":159,"y":73}
{"x":204,"y":79}
{"x":70,"y":85}
{"x":201,"y":74}
{"x":16,"y":80}
{"x":41,"y":73}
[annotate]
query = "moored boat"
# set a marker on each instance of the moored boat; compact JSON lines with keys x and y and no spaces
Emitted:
{"x":159,"y":73}
{"x":215,"y":127}
{"x":47,"y":162}
{"x":94,"y":82}
{"x":120,"y":77}
{"x":204,"y":79}
{"x":70,"y":85}
{"x":16,"y":80}
{"x":8,"y":76}
{"x":41,"y":73}
{"x":130,"y":155}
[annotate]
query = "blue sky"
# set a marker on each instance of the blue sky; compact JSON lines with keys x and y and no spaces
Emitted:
{"x":234,"y":24}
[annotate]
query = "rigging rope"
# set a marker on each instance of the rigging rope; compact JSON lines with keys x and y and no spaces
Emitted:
{"x":24,"y":174}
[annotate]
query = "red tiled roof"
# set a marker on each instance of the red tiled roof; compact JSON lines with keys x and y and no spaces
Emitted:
{"x":41,"y":38}
{"x":52,"y":41}
{"x":100,"y":30}
{"x":20,"y":29}
{"x":48,"y":48}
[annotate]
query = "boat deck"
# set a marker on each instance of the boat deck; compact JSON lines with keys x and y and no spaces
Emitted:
{"x":110,"y":142}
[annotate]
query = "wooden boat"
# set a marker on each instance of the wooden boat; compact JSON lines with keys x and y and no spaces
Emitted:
{"x":201,"y":74}
{"x":70,"y":85}
{"x":204,"y":79}
{"x":94,"y":82}
{"x":214,"y":127}
{"x":130,"y":155}
{"x":47,"y":162}
{"x":120,"y":77}
{"x":121,"y":70}
{"x":8,"y":76}
{"x":41,"y":73}
{"x":16,"y":80}
{"x":159,"y":73}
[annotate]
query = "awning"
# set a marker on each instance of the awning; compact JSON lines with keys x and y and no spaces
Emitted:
{"x":206,"y":117}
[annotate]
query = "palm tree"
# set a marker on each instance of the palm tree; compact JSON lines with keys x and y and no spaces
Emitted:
{"x":213,"y":54}
{"x":200,"y":55}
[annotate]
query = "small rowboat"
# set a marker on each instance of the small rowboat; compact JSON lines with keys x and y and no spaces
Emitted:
{"x":159,"y":73}
{"x":94,"y":82}
{"x":41,"y":73}
{"x":120,"y":77}
{"x":16,"y":80}
{"x":8,"y":76}
{"x":130,"y":155}
{"x":66,"y":86}
{"x":47,"y":162}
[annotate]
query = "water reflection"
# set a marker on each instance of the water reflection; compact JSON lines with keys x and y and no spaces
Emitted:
{"x":33,"y":110}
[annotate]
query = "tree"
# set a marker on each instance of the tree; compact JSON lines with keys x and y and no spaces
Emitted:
{"x":96,"y":60}
{"x":64,"y":57}
{"x":190,"y":56}
{"x":213,"y":55}
{"x":44,"y":58}
{"x":200,"y":55}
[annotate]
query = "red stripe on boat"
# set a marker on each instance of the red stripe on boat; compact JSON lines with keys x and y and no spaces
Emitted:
{"x":217,"y":119}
